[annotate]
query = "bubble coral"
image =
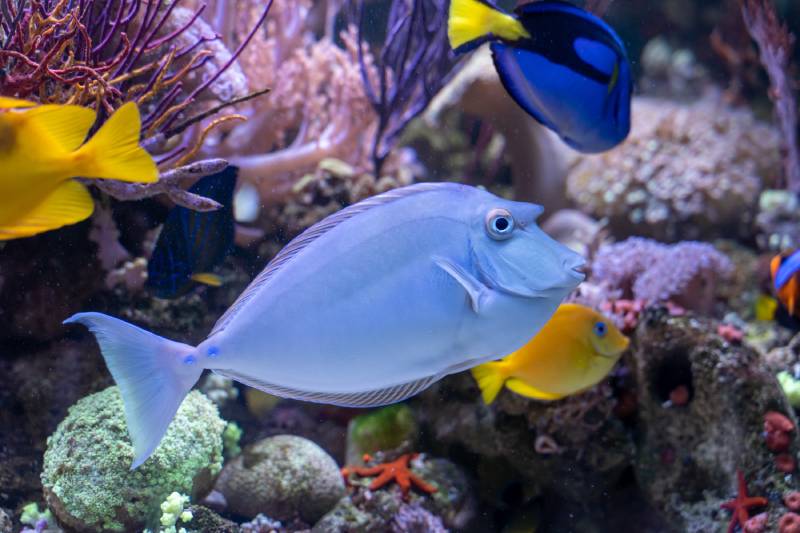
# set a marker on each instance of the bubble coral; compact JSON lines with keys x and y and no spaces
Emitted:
{"x":789,"y":523}
{"x":86,"y":475}
{"x":685,"y":273}
{"x":685,"y":171}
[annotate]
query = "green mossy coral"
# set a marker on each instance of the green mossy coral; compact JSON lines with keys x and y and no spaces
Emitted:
{"x":87,"y":478}
{"x":382,"y":430}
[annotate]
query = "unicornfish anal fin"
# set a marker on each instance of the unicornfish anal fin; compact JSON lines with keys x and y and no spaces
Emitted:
{"x":523,"y":389}
{"x":477,"y":291}
{"x":68,"y":204}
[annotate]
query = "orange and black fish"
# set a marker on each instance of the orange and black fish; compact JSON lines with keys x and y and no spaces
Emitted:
{"x":785,"y":272}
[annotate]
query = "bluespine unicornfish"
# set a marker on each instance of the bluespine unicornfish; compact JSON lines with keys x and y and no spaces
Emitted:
{"x":367,"y":307}
{"x":564,"y":66}
{"x":191,"y":243}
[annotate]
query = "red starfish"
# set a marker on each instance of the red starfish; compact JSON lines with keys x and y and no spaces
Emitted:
{"x":396,"y":470}
{"x":740,"y":506}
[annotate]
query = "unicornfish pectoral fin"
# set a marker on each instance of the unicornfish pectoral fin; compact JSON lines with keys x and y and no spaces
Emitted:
{"x":476,"y":290}
{"x":154,"y":375}
{"x":523,"y":389}
{"x":68,"y":204}
{"x":473,"y":22}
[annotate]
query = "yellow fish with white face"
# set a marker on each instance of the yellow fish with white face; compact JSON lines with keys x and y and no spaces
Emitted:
{"x":42,"y":148}
{"x":576,"y":349}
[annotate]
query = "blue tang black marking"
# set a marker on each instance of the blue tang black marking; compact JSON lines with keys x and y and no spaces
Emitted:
{"x":564,"y":66}
{"x":192,"y":243}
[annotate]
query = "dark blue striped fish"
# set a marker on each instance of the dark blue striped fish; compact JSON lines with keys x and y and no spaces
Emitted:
{"x":191,"y":243}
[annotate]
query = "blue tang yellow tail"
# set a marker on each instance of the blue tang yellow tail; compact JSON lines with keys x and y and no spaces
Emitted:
{"x":192,"y":243}
{"x":564,"y":66}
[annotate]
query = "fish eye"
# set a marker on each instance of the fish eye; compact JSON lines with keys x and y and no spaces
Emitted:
{"x":499,"y":224}
{"x":600,"y":329}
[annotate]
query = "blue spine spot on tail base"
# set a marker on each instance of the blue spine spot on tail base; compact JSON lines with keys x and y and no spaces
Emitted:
{"x":149,"y":372}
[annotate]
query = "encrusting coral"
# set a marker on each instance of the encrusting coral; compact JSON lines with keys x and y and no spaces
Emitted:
{"x":87,"y":478}
{"x":685,"y":172}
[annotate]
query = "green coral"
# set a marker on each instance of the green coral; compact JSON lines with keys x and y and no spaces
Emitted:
{"x":31,"y":515}
{"x":791,"y":388}
{"x":87,"y":478}
{"x":172,"y":510}
{"x":230,"y":440}
{"x":381,"y":430}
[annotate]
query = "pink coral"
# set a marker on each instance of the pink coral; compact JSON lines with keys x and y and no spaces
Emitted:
{"x":685,"y":273}
{"x":730,"y":333}
{"x":757,"y":524}
{"x":789,"y":523}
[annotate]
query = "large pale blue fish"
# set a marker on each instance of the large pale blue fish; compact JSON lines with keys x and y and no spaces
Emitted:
{"x":368,"y":307}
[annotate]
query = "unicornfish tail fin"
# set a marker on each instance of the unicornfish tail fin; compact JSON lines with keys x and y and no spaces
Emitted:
{"x":490,"y":377}
{"x":114,"y":152}
{"x":154,"y":375}
{"x":473,"y":22}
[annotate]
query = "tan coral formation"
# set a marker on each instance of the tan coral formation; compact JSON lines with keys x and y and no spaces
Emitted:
{"x":685,"y":171}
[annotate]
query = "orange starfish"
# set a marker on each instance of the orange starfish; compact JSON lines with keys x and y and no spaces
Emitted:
{"x":740,"y":505}
{"x":396,"y":470}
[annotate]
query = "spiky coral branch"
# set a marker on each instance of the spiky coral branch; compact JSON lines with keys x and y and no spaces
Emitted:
{"x":169,"y":184}
{"x":775,"y":45}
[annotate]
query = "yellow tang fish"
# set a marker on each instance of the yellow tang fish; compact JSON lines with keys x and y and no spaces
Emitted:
{"x":575,"y":350}
{"x":42,"y":147}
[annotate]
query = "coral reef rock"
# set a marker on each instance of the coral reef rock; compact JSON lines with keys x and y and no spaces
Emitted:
{"x":688,"y":455}
{"x":385,"y":508}
{"x":572,"y":448}
{"x":685,"y":172}
{"x":87,"y":480}
{"x":283,"y":477}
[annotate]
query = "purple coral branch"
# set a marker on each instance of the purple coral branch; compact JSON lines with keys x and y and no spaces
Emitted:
{"x":414,"y":63}
{"x":207,"y":83}
{"x":775,"y":45}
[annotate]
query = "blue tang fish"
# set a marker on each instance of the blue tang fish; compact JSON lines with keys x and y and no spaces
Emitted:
{"x":564,"y":66}
{"x":192,"y":243}
{"x":367,"y":307}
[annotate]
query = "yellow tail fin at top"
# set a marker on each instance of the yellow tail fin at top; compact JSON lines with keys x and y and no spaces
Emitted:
{"x":114,"y":152}
{"x":490,"y":378}
{"x":6,"y":102}
{"x":473,"y":20}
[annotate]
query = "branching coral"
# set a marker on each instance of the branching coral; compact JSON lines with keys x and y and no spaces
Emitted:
{"x":685,"y":273}
{"x":775,"y":45}
{"x":412,"y":66}
{"x":101,"y":54}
